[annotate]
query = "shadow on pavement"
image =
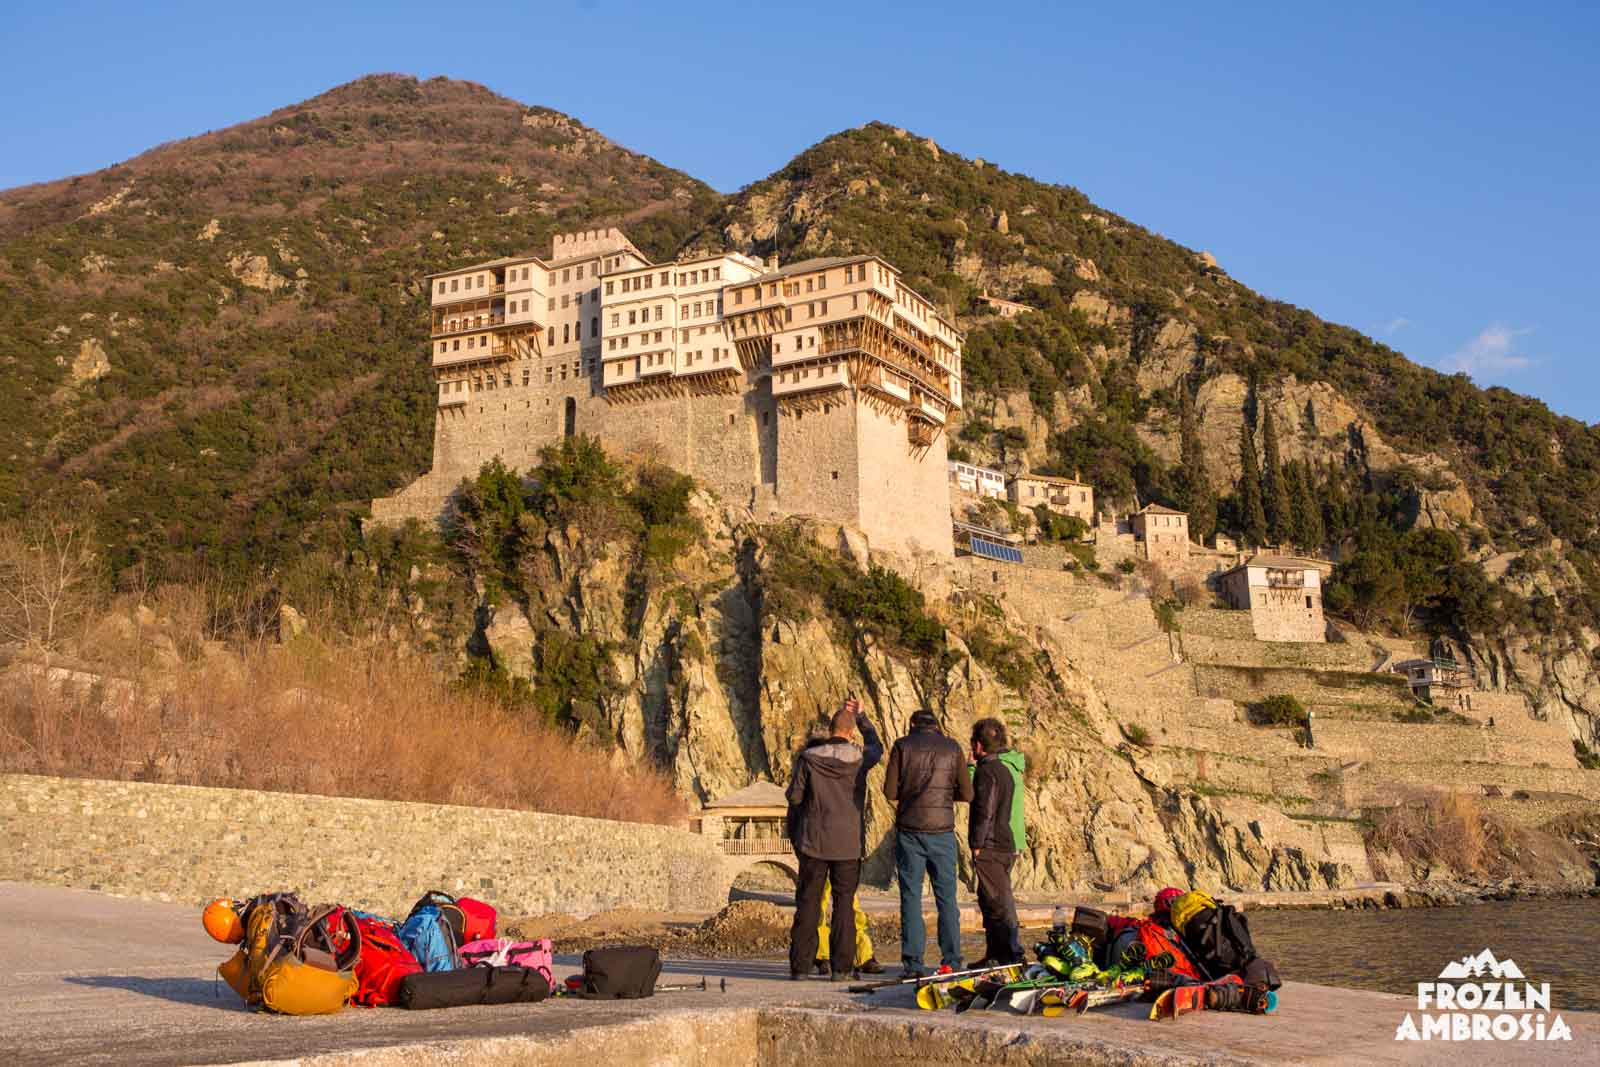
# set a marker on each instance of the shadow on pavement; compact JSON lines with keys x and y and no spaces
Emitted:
{"x":203,"y":992}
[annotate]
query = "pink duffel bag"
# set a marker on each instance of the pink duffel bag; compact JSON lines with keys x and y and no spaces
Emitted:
{"x":504,"y":952}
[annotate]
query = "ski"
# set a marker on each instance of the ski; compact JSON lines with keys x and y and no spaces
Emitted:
{"x":948,"y":976}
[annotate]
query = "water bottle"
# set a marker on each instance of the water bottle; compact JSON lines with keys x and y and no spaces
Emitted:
{"x":1058,"y":921}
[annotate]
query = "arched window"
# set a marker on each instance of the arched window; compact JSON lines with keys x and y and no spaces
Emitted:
{"x":570,"y":418}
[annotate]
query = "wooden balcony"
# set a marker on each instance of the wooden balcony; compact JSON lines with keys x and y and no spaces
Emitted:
{"x":483,"y":322}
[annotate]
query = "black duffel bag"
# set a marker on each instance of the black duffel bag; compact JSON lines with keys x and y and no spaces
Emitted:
{"x":1090,"y":926}
{"x":622,"y":972}
{"x":473,"y":985}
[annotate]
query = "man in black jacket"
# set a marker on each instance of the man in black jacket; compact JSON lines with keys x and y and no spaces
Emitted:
{"x":994,"y":829}
{"x":827,"y":796}
{"x":925,"y":777}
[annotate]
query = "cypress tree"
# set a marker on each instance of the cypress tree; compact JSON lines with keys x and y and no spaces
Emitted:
{"x":1199,"y":500}
{"x":1276,"y":500}
{"x":1309,"y":531}
{"x":1252,"y":515}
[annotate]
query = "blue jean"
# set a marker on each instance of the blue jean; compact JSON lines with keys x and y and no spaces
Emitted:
{"x":934,"y":855}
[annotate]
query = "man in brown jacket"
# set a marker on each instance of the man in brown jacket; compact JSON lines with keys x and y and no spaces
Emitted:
{"x":827,"y":797}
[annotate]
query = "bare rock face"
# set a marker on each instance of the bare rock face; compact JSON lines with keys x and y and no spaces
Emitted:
{"x":256,"y":272}
{"x":91,"y":363}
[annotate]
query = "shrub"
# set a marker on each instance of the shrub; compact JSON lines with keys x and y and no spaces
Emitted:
{"x":1588,"y":759}
{"x":1126,"y":566}
{"x":1004,"y":654}
{"x":1280,"y":709}
{"x":1136,"y":734}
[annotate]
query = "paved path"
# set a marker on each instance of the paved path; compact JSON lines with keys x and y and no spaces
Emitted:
{"x":86,"y":978}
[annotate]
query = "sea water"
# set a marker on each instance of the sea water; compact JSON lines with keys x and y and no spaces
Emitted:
{"x":1391,"y":951}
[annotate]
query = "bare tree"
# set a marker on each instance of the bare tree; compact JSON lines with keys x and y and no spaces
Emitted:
{"x":49,"y":573}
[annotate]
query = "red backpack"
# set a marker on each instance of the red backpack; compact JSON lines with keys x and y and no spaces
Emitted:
{"x":384,"y":962}
{"x":1156,"y":940}
{"x":472,"y":920}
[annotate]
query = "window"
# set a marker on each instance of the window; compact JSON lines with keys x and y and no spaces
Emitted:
{"x":1308,"y":603}
{"x":441,"y":285}
{"x":788,"y":314}
{"x":616,"y":319}
{"x":594,"y":326}
{"x":580,"y":272}
{"x":566,"y":275}
{"x":454,"y":284}
{"x":772,"y":290}
{"x":524,"y":305}
{"x":552,"y":337}
{"x":526,"y":374}
{"x":824,"y":307}
{"x":611,"y":344}
{"x":632,"y":317}
{"x":565,"y":299}
{"x":457,"y":346}
{"x":658,"y":312}
{"x":549,"y":373}
{"x":809,"y":284}
{"x":738,"y":296}
{"x":577,"y":298}
{"x":665,"y":275}
{"x":566,"y":333}
{"x":849,"y":275}
{"x":609,"y":286}
{"x":577,"y":330}
{"x":648,"y":279}
{"x":552,"y":304}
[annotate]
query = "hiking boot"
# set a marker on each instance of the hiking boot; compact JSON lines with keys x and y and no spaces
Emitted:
{"x":872,"y":966}
{"x":798,"y":976}
{"x":913,"y":970}
{"x":821,"y":967}
{"x":1234,"y":997}
{"x":842,"y":976}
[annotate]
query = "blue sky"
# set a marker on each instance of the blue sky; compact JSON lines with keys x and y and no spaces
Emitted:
{"x":1426,"y":175}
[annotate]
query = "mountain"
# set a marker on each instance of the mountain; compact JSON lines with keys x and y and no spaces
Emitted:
{"x":1146,"y":369}
{"x":218,"y":344}
{"x":217,"y":347}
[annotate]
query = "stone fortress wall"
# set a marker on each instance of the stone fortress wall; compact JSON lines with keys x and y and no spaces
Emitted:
{"x":190,"y":844}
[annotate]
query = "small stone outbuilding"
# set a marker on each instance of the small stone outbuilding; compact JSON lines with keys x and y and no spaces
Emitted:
{"x":1162,"y":532}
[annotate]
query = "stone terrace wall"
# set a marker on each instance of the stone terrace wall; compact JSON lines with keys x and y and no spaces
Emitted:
{"x":190,"y":844}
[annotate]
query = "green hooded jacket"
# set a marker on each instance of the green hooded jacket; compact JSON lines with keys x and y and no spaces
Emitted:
{"x":1013,"y":761}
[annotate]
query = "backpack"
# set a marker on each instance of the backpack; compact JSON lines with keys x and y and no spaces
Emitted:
{"x":472,"y":920}
{"x":504,"y":952}
{"x":292,"y":960}
{"x":315,"y":973}
{"x":385,"y":960}
{"x":1218,"y":940}
{"x":624,"y":972}
{"x":430,"y":937}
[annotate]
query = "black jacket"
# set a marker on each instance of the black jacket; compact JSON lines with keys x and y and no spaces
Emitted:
{"x":828,"y":795}
{"x":927,"y":774}
{"x":989,"y":821}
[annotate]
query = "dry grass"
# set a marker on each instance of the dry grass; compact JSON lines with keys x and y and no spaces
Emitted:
{"x":348,"y":719}
{"x":1429,"y":828}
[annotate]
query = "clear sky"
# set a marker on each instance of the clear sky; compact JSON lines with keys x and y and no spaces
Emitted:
{"x":1426,"y":175}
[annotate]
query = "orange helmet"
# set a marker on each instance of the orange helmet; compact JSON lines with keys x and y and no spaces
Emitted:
{"x":222,"y":922}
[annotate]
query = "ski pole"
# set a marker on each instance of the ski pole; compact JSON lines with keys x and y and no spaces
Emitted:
{"x":927,"y":979}
{"x":690,"y":987}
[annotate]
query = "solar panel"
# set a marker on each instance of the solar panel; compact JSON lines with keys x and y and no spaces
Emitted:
{"x":990,"y":550}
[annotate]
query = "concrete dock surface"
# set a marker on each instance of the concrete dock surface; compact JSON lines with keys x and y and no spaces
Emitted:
{"x":91,"y":979}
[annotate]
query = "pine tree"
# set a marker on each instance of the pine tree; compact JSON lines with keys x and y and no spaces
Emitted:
{"x":1309,"y":531}
{"x":1252,"y":515}
{"x":1199,"y":499}
{"x":1276,"y":501}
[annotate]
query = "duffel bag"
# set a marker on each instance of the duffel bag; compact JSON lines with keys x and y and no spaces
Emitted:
{"x":504,"y":952}
{"x":622,"y":972}
{"x":472,"y":985}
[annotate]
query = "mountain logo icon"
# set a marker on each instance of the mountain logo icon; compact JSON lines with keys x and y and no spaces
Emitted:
{"x":1475,"y":966}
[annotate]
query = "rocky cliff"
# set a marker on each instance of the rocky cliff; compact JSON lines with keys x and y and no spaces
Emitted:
{"x":719,"y":665}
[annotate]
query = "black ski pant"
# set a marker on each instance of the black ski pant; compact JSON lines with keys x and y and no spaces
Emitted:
{"x":845,"y":876}
{"x":999,"y":908}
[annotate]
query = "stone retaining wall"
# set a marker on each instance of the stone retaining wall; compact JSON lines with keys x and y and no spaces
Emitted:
{"x":189,"y":844}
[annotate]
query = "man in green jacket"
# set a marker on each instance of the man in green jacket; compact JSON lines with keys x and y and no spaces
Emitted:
{"x":995,"y":834}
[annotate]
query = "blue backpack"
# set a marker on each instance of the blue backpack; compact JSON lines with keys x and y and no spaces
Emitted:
{"x":431,"y":939}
